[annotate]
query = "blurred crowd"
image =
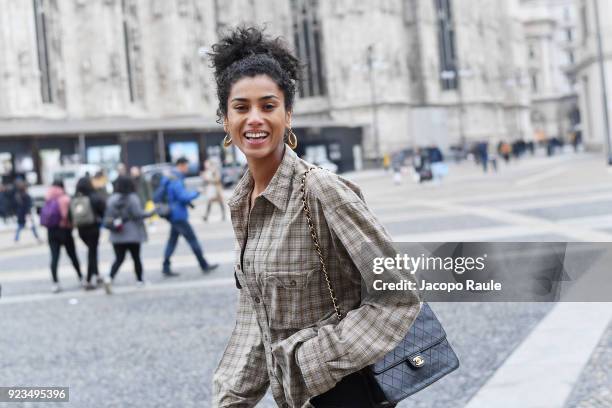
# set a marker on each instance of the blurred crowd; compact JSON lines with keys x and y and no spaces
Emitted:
{"x":121,"y":207}
{"x":428,"y":164}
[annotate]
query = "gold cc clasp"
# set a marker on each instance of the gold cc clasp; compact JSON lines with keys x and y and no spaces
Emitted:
{"x":418,"y":361}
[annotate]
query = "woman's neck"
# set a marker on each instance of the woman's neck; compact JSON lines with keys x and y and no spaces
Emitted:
{"x":264,"y":169}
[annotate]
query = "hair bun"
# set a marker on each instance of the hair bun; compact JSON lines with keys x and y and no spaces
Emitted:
{"x":246,"y":41}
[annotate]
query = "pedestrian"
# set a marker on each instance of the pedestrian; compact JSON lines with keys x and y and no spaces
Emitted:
{"x":4,"y":203}
{"x":23,"y":210}
{"x":421,"y":165}
{"x":505,"y":150}
{"x":9,"y":195}
{"x":439,"y":169}
{"x":491,"y":155}
{"x":483,"y":154}
{"x":143,"y":188}
{"x":56,"y":218}
{"x":87,"y":209}
{"x":121,"y":169}
{"x":386,"y":161}
{"x":397,"y":161}
{"x":99,"y":183}
{"x":286,"y":334}
{"x":172,"y":191}
{"x":124,"y":218}
{"x":214,"y":188}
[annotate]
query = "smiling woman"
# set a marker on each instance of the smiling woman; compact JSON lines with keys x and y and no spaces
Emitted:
{"x":286,"y":334}
{"x":257,"y":119}
{"x":256,"y":79}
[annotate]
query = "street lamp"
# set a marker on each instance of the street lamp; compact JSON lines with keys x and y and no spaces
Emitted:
{"x":370,"y":63}
{"x":602,"y":73}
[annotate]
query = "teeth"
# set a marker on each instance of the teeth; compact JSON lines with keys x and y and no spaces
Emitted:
{"x":258,"y":135}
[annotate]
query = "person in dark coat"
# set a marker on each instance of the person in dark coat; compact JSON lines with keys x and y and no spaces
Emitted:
{"x":143,"y":188}
{"x":23,"y":209}
{"x":90,"y":234}
{"x":4,"y":203}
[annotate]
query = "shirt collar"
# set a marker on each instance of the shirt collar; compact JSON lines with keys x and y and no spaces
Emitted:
{"x":277,"y":191}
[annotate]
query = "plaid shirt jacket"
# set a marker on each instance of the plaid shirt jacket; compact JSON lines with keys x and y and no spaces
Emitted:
{"x":287,"y":335}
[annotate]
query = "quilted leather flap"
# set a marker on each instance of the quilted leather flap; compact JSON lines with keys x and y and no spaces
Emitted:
{"x":425,"y":332}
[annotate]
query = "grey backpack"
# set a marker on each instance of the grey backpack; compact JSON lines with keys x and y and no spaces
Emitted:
{"x":81,"y":211}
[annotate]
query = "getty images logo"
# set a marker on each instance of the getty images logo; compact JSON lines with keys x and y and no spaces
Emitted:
{"x":414,"y":264}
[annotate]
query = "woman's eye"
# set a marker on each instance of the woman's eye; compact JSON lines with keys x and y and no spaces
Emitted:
{"x":269,"y":106}
{"x":240,"y":108}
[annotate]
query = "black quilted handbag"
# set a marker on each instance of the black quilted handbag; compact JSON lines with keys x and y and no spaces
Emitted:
{"x":420,"y":359}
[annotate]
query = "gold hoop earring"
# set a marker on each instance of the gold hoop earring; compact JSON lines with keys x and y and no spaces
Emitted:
{"x":292,"y":139}
{"x":227,"y":141}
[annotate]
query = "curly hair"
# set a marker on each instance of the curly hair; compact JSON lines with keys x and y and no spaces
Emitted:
{"x":247,"y":52}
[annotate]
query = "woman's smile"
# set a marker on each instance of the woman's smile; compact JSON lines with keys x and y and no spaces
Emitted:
{"x":256,"y":137}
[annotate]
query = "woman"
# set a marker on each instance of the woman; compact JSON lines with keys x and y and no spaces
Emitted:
{"x":287,"y":334}
{"x":55,"y":215}
{"x":124,"y":217}
{"x":90,"y":231}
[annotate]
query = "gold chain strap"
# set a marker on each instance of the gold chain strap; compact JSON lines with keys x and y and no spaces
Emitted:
{"x":315,"y":240}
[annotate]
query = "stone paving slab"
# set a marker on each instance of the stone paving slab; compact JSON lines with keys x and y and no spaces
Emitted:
{"x":560,"y":212}
{"x":594,"y":386}
{"x":438,"y":224}
{"x":542,"y":371}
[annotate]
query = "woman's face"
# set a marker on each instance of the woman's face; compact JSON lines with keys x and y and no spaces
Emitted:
{"x":256,"y":117}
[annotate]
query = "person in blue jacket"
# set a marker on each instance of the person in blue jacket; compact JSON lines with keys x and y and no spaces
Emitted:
{"x":178,"y":199}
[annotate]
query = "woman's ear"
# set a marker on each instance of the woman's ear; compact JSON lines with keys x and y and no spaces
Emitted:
{"x":288,"y":116}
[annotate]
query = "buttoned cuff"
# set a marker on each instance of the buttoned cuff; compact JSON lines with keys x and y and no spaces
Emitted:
{"x":317,"y":377}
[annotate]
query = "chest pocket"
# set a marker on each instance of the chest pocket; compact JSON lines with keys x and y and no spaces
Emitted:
{"x":295,"y":300}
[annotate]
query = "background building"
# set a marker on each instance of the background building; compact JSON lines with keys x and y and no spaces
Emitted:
{"x":551,"y":35}
{"x":470,"y":67}
{"x":412,"y":72}
{"x":587,"y":70}
{"x":103,"y":81}
{"x":127,"y":80}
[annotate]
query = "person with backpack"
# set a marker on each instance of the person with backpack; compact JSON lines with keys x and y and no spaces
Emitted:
{"x":55,"y":216}
{"x":87,"y":210}
{"x":23,"y":210}
{"x":124,"y":218}
{"x":173,"y":200}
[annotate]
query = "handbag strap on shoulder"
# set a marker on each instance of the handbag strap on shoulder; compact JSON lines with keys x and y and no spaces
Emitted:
{"x":315,"y":240}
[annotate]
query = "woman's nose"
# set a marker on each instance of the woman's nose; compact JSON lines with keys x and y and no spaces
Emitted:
{"x":255,"y":117}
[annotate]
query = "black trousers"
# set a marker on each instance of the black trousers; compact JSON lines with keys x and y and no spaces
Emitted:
{"x":91,"y":238}
{"x":58,"y":237}
{"x":352,"y":391}
{"x":120,"y":251}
